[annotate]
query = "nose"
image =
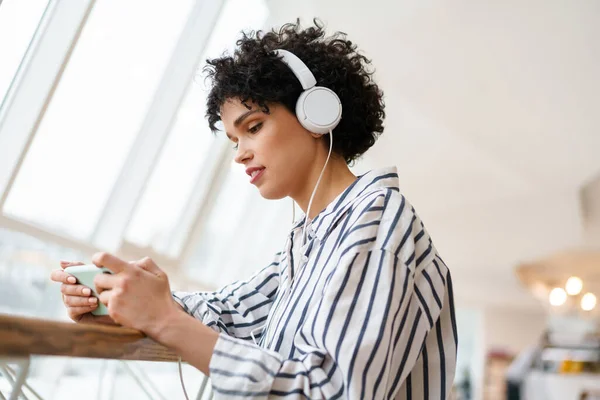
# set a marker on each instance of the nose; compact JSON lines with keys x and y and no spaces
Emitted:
{"x":242,"y":154}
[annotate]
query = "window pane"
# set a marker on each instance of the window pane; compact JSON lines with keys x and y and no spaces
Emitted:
{"x":96,"y":112}
{"x":175,"y":175}
{"x":185,"y":153}
{"x":25,"y":265}
{"x":18,"y":22}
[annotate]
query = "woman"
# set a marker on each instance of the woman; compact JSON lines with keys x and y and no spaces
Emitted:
{"x":359,"y":303}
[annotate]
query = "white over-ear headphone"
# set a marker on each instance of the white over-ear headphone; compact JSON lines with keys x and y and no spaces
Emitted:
{"x":318,"y":108}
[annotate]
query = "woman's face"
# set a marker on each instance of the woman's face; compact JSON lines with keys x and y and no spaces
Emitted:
{"x":276,"y":150}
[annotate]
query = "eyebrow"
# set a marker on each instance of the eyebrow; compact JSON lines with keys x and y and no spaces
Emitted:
{"x":241,"y":119}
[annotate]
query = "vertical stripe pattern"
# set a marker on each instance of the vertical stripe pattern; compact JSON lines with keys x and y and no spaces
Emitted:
{"x":363,"y":310}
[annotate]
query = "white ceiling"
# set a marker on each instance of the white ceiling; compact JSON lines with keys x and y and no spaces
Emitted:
{"x":493,"y":118}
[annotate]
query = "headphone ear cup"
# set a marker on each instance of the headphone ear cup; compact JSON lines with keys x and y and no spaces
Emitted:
{"x":319,"y":109}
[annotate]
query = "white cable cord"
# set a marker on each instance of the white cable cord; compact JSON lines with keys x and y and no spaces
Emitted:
{"x":181,"y":380}
{"x":316,"y":187}
{"x":260,"y":328}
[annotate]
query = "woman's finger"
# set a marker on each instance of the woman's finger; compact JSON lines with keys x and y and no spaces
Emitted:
{"x":105,"y":282}
{"x":78,"y":301}
{"x":113,"y":263}
{"x":104,"y":297}
{"x":65,"y":264}
{"x":75,"y":290}
{"x":74,"y":312}
{"x":58,"y":275}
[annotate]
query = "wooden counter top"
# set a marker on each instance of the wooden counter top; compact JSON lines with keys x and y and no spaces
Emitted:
{"x":22,"y":337}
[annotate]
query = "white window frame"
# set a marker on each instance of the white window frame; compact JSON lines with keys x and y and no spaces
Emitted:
{"x":145,"y":152}
{"x":35,"y":82}
{"x":32,"y":90}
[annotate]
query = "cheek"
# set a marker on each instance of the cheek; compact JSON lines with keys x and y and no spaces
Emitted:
{"x":277,"y":149}
{"x":285,"y":160}
{"x":290,"y":156}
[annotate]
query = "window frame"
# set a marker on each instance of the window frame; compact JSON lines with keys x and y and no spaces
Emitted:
{"x":32,"y":90}
{"x":156,"y":127}
{"x":33,"y":86}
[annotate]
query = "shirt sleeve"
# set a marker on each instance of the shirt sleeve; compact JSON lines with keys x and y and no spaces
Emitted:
{"x":237,"y":309}
{"x":359,"y":341}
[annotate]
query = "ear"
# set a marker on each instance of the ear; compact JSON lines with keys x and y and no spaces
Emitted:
{"x":316,"y":135}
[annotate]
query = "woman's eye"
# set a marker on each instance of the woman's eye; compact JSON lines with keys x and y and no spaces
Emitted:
{"x":235,"y":146}
{"x":255,"y":128}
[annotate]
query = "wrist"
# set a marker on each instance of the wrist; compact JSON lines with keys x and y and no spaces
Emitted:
{"x":175,"y":331}
{"x":161,"y":330}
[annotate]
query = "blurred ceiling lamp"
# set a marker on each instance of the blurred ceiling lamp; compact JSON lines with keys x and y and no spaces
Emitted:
{"x":550,"y":270}
{"x":574,"y":286}
{"x":588,"y":302}
{"x":558,"y":297}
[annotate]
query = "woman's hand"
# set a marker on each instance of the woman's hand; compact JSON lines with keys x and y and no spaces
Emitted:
{"x":137,"y":295}
{"x":77,"y":298}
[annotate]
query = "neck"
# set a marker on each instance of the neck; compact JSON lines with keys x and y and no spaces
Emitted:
{"x":336,"y":178}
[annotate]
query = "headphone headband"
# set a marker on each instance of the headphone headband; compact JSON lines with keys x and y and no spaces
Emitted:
{"x":306,"y":78}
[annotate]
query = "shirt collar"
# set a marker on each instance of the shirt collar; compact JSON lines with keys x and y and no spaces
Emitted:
{"x":324,"y":222}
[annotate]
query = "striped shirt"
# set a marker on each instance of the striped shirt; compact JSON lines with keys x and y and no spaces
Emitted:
{"x":363,"y":310}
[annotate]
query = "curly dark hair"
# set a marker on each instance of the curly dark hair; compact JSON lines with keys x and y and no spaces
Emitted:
{"x":255,"y":74}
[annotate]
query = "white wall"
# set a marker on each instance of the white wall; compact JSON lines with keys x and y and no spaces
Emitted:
{"x":512,"y":329}
{"x":590,"y":198}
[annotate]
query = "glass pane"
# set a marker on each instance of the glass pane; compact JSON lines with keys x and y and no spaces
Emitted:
{"x":183,"y":156}
{"x":186,"y":150}
{"x":96,"y":112}
{"x":18,"y":22}
{"x":25,"y":265}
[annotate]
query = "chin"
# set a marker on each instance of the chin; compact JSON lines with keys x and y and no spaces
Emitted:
{"x":270,"y":193}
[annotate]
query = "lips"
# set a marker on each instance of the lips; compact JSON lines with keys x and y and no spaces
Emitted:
{"x":254,"y":173}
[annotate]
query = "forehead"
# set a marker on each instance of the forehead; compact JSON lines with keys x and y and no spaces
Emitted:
{"x":233,"y":108}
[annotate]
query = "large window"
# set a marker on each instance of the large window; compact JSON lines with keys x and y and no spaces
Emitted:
{"x":122,"y":157}
{"x":95,"y":114}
